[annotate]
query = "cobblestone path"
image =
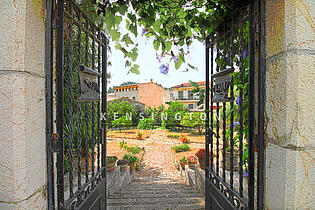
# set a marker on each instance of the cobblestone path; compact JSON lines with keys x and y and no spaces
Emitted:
{"x":157,"y":185}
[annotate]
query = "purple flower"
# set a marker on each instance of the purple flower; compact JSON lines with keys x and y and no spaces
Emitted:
{"x":164,"y":69}
{"x":245,"y":53}
{"x":158,"y":58}
{"x":237,"y":101}
{"x":175,"y":59}
{"x":235,"y":124}
{"x":244,"y":152}
{"x":245,"y":174}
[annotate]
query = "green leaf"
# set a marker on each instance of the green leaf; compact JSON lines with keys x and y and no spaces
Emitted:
{"x":135,"y":69}
{"x":123,"y":9}
{"x":134,"y":54}
{"x":168,"y":45}
{"x":133,"y":29}
{"x":118,"y":19}
{"x":192,"y":67}
{"x":118,"y":46}
{"x":127,"y":63}
{"x":115,"y":34}
{"x":156,"y":44}
{"x":178,"y":64}
{"x":127,"y":39}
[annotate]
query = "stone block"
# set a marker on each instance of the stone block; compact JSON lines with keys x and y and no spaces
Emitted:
{"x":290,"y":25}
{"x":22,"y":134}
{"x":290,"y":118}
{"x":275,"y":20}
{"x":290,"y":178}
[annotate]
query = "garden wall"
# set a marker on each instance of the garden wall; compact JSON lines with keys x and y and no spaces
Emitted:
{"x":22,"y":96}
{"x":290,"y":104}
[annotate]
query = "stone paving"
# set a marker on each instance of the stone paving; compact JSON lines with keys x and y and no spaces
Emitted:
{"x":157,"y":185}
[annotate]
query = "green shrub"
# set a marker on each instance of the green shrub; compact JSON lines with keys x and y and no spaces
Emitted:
{"x":174,"y":136}
{"x":181,"y":148}
{"x":122,"y":122}
{"x":146,"y":124}
{"x":131,"y":159}
{"x":130,"y":149}
{"x":194,"y":120}
{"x":174,"y":113}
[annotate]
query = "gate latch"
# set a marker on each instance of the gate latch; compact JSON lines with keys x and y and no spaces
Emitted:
{"x":54,"y":143}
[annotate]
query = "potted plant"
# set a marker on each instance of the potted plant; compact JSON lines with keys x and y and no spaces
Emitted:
{"x":122,"y":164}
{"x":184,"y":139}
{"x":183,"y":162}
{"x":139,"y":135}
{"x":83,"y":160}
{"x":192,"y":161}
{"x":201,"y":155}
{"x":132,"y":160}
{"x":110,"y":163}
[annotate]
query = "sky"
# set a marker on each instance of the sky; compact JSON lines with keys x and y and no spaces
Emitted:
{"x":149,"y":65}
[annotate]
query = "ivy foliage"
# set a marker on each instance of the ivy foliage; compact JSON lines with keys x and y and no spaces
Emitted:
{"x":172,"y":25}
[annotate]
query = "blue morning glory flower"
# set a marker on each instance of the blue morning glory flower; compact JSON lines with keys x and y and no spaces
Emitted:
{"x":164,"y":69}
{"x":245,"y":53}
{"x":237,"y":101}
{"x":245,"y":174}
{"x":235,"y":124}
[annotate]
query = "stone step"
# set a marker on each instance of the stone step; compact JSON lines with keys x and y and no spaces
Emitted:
{"x":166,"y":195}
{"x":156,"y":192}
{"x":157,"y":186}
{"x":153,"y":201}
{"x":158,"y":207}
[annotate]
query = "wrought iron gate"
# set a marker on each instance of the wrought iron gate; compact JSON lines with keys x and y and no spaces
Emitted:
{"x":234,"y":133}
{"x":76,"y":129}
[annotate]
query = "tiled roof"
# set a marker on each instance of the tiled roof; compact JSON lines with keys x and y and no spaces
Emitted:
{"x":202,"y":83}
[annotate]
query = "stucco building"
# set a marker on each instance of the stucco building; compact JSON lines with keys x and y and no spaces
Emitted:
{"x":150,"y":93}
{"x":183,"y":93}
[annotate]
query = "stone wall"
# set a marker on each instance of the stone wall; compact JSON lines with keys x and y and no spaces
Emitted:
{"x":22,"y":96}
{"x":290,"y":104}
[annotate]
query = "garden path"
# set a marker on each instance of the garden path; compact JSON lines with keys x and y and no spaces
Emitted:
{"x":158,"y":184}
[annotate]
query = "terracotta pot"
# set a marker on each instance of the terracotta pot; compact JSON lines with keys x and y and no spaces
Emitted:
{"x":110,"y":166}
{"x":83,"y":163}
{"x":202,"y":162}
{"x":122,"y":164}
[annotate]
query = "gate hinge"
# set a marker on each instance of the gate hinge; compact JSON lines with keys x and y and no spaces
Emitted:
{"x":54,"y":143}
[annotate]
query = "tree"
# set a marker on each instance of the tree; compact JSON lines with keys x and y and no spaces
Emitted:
{"x":120,"y":109}
{"x":194,"y":120}
{"x":122,"y":122}
{"x":174,"y":114}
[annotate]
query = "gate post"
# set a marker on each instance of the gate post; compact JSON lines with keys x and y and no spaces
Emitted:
{"x":22,"y":96}
{"x":290,"y":104}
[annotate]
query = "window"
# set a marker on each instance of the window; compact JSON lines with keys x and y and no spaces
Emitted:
{"x":180,"y":95}
{"x":129,"y":89}
{"x":190,"y":95}
{"x":190,"y":106}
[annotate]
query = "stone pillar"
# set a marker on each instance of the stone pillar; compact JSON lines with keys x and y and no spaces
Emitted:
{"x":22,"y":96}
{"x":290,"y":104}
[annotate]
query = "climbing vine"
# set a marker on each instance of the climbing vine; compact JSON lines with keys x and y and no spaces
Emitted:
{"x":171,"y":25}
